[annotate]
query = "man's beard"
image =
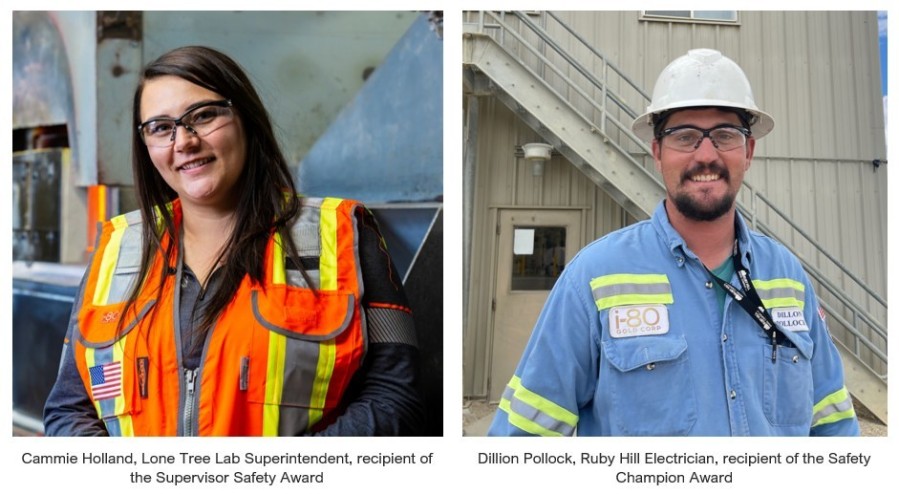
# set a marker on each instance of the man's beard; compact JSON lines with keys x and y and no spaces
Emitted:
{"x":700,"y":211}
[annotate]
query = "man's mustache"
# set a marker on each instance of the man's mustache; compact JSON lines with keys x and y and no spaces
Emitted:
{"x":706,"y":169}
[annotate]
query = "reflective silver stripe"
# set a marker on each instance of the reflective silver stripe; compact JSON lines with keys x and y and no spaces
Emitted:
{"x":302,"y":353}
{"x":631,"y":289}
{"x":391,"y":326}
{"x":292,"y":420}
{"x":843,"y":406}
{"x":305,"y":231}
{"x":360,"y":284}
{"x":124,"y":276}
{"x":102,"y":356}
{"x":307,"y":239}
{"x":127,"y":265}
{"x":785,"y":292}
{"x":536,"y":416}
{"x":294,"y":278}
{"x":134,"y":217}
{"x":508,"y":393}
{"x":300,"y":366}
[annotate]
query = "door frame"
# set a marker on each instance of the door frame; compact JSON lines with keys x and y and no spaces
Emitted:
{"x":573,"y":244}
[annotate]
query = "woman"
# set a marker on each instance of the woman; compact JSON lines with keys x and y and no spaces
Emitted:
{"x":227,"y":305}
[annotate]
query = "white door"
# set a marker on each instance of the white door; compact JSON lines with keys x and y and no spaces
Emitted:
{"x":534,"y":247}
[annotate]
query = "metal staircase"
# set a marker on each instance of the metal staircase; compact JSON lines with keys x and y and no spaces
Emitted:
{"x":583,"y":106}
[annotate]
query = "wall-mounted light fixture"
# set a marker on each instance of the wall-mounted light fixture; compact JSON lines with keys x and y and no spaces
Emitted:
{"x":537,"y":153}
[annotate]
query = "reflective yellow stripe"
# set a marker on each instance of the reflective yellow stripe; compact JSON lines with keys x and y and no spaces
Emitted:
{"x":327,"y":355}
{"x":170,"y":207}
{"x":778,"y":283}
{"x":328,"y":230}
{"x":274,"y":383}
{"x":618,"y":300}
{"x":109,"y":261}
{"x":525,"y":424}
{"x":626,"y":279}
{"x":631,"y":289}
{"x":277,"y":261}
{"x":125,"y":424}
{"x":833,"y":408}
{"x":780,"y":292}
{"x":541,"y":405}
{"x":774,"y":303}
{"x":118,"y":355}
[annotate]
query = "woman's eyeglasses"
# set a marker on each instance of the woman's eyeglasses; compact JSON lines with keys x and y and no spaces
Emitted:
{"x":200,"y":120}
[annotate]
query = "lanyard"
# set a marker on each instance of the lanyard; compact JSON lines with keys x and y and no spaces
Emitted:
{"x":748,"y":298}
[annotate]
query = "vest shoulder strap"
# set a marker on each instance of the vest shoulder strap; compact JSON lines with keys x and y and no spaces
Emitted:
{"x":306,"y":230}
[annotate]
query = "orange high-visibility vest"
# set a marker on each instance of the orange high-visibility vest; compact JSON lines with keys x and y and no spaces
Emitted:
{"x":277,"y":361}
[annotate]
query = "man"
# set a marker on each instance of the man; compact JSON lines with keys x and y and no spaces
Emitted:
{"x":687,"y":323}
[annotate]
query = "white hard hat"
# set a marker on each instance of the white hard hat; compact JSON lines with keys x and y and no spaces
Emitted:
{"x":702,"y":77}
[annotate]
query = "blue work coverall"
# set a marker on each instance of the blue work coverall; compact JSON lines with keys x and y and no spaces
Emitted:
{"x":633,"y":341}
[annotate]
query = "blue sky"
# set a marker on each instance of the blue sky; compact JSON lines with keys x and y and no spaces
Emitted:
{"x":882,"y":34}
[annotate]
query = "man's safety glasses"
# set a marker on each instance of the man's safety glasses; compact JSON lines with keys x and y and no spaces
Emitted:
{"x":688,"y":138}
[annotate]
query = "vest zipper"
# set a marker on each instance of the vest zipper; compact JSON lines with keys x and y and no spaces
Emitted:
{"x":190,"y":378}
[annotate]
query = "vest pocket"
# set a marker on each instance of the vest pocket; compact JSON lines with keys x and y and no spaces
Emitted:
{"x":107,"y":360}
{"x":650,"y":385}
{"x":300,"y":313}
{"x":788,"y":390}
{"x":98,"y":325}
{"x":311,"y":352}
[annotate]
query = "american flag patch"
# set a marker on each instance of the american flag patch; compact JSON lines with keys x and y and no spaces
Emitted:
{"x":106,"y":380}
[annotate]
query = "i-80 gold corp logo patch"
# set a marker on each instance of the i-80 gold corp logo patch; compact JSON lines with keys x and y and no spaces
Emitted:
{"x":638,"y":320}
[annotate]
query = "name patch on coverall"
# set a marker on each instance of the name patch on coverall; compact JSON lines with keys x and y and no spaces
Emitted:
{"x":789,"y":318}
{"x":638,"y":320}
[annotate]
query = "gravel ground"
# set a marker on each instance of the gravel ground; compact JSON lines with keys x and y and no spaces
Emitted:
{"x":475,"y":414}
{"x":870,"y":425}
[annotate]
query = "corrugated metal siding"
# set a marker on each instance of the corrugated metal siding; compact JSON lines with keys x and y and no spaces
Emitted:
{"x":817,"y":73}
{"x":842,"y":205}
{"x":792,"y":59}
{"x":506,"y":181}
{"x":311,"y":66}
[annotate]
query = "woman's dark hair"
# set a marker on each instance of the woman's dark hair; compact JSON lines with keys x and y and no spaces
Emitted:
{"x":267,"y":199}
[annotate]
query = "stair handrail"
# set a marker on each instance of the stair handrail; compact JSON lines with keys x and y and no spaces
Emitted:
{"x":753,"y":219}
{"x":605,"y":60}
{"x":583,"y":71}
{"x":588,"y":98}
{"x":839,"y":293}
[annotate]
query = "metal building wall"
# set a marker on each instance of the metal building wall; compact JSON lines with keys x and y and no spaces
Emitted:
{"x":386,"y":145}
{"x":817,"y":73}
{"x":312,"y":65}
{"x":804,"y":67}
{"x":504,"y":180}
